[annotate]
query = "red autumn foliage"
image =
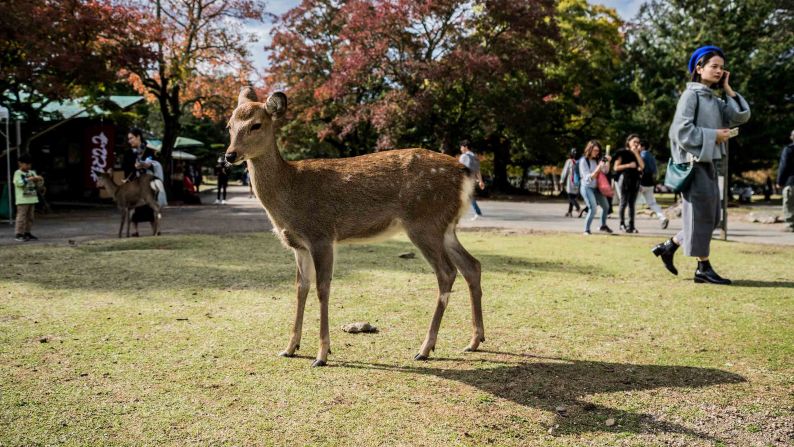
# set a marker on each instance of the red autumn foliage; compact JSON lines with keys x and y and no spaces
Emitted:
{"x":52,"y":50}
{"x":367,"y":75}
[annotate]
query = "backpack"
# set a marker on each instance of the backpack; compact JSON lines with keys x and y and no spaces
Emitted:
{"x":648,"y":177}
{"x":575,"y":168}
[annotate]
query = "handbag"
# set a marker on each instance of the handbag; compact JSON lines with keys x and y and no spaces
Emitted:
{"x":603,"y":185}
{"x":678,"y":175}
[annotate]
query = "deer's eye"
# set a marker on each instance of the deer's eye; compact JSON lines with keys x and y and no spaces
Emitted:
{"x":256,"y":126}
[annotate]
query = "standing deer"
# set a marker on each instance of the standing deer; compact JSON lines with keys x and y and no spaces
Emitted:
{"x":132,"y":194}
{"x":314,"y":204}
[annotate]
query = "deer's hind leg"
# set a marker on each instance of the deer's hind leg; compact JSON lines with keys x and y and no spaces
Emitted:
{"x":469,"y":267}
{"x":124,"y":218}
{"x":432,"y":247}
{"x":155,"y":206}
{"x":303,"y":282}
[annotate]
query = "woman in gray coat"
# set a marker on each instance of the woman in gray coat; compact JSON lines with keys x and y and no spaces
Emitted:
{"x":699,"y":134}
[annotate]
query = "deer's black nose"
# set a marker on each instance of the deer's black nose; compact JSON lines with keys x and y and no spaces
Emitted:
{"x":231,"y":156}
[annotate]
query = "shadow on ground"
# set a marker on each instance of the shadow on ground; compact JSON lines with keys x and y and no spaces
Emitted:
{"x":548,"y":383}
{"x":249,"y":261}
{"x":772,"y":284}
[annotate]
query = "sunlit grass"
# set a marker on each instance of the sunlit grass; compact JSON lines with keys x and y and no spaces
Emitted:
{"x":173,"y":341}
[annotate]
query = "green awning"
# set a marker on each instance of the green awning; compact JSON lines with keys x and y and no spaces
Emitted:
{"x":76,"y":108}
{"x":180,"y":142}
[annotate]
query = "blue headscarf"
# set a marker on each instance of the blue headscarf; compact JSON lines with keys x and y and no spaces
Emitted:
{"x":700,"y":52}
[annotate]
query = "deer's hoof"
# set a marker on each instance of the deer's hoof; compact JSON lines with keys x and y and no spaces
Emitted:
{"x":318,"y":362}
{"x":420,"y":357}
{"x":286,"y":354}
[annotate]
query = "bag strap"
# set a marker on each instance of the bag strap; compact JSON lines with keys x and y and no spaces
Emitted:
{"x":689,"y":156}
{"x":697,"y":106}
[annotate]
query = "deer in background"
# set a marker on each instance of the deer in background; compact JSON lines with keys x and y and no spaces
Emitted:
{"x":314,"y":204}
{"x":132,"y":194}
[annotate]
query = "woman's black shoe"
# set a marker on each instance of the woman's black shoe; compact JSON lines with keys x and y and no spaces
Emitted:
{"x":605,"y":229}
{"x":584,"y":210}
{"x":666,"y":251}
{"x":705,"y":273}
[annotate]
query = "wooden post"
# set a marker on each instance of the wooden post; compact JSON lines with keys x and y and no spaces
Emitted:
{"x":725,"y":191}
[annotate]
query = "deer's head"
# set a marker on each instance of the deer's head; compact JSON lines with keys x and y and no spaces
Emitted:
{"x":251,"y":126}
{"x":102,"y":177}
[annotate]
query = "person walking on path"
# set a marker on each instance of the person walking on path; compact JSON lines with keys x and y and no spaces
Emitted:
{"x":591,"y":165}
{"x":222,"y":173}
{"x":469,"y":159}
{"x":785,"y":182}
{"x":628,"y":165}
{"x":698,"y":134}
{"x":569,"y":182}
{"x":648,"y":183}
{"x":26,"y":185}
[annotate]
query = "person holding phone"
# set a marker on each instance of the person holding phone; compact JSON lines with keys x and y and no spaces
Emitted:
{"x":591,"y":165}
{"x":698,"y":134}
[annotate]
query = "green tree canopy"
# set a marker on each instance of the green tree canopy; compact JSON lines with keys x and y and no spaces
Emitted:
{"x":758,"y":39}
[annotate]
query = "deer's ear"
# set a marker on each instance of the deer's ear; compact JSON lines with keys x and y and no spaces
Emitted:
{"x":247,"y":94}
{"x":276,"y":104}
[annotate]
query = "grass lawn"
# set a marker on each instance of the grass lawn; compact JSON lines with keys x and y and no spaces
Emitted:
{"x":589,"y":341}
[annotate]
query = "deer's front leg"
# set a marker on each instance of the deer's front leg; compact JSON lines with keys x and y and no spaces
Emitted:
{"x":305,"y":272}
{"x":324,"y":266}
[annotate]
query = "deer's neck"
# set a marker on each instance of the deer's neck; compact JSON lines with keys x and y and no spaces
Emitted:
{"x":270,"y":178}
{"x":111,"y":186}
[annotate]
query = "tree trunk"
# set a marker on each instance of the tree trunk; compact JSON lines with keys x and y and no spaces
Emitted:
{"x":501,"y":150}
{"x":169,"y":107}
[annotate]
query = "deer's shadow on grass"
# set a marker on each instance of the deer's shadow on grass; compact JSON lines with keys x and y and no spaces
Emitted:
{"x":548,"y":383}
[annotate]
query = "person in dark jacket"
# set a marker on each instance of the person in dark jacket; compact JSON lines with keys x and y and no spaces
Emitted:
{"x":699,"y":134}
{"x":628,"y":165}
{"x":648,"y":183}
{"x":785,"y":182}
{"x":222,"y":173}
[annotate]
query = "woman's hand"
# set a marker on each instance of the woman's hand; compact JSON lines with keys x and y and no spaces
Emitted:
{"x":726,"y":85}
{"x":723,"y":135}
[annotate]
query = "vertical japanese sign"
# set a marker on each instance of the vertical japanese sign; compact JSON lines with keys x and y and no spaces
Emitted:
{"x":98,"y":155}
